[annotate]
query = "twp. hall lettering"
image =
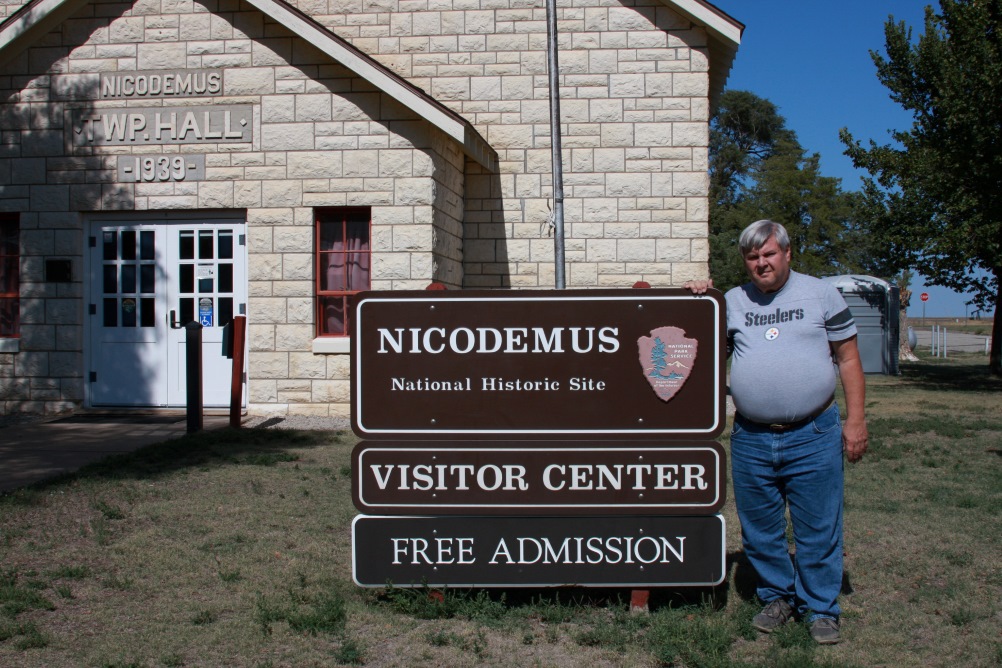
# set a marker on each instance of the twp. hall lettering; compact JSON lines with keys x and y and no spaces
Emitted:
{"x":179,"y":125}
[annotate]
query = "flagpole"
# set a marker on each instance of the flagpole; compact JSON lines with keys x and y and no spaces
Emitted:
{"x":556,"y":149}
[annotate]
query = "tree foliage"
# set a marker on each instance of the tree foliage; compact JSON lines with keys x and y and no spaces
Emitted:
{"x":935,"y":195}
{"x":758,"y":170}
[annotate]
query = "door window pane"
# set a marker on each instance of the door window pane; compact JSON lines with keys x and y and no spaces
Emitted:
{"x":225,"y":277}
{"x":225,"y":311}
{"x":110,"y":245}
{"x":128,"y":244}
{"x":129,"y":312}
{"x":225,"y":244}
{"x":128,"y":278}
{"x":187,"y":282}
{"x":205,"y":245}
{"x":148,"y":278}
{"x":110,"y":279}
{"x":148,"y":312}
{"x":205,"y":308}
{"x":147,"y":248}
{"x":205,"y":280}
{"x":187,"y":310}
{"x":186,"y":244}
{"x":110,"y":312}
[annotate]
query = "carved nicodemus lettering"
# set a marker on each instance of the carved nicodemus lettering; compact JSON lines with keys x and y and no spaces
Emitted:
{"x":164,"y":125}
{"x":161,"y":83}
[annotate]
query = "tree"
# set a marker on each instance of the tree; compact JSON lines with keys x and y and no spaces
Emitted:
{"x":904,"y":280}
{"x":758,"y":170}
{"x":936,"y":194}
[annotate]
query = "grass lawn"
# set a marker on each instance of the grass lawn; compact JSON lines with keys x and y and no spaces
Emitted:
{"x":232,"y":548}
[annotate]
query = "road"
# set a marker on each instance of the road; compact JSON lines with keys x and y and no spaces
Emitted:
{"x":955,"y":341}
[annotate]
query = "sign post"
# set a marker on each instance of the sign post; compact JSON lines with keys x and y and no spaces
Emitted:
{"x":924,"y":297}
{"x":538,"y":438}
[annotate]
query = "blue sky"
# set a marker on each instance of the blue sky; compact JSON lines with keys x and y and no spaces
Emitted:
{"x":811,"y":59}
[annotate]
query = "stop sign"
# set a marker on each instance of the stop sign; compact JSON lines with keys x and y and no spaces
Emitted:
{"x":924,"y":296}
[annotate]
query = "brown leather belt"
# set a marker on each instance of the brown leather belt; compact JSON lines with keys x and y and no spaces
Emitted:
{"x":786,"y":426}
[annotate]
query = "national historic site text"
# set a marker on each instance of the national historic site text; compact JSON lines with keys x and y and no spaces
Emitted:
{"x":496,"y":384}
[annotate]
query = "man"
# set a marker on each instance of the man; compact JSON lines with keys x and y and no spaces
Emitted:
{"x":784,"y":332}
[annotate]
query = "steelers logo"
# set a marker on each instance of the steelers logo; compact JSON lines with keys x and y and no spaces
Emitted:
{"x":772,"y":334}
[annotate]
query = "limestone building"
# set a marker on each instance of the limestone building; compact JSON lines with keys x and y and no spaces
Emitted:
{"x":163,"y":161}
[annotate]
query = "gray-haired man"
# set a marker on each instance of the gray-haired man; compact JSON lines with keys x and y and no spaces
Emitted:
{"x":787,"y":332}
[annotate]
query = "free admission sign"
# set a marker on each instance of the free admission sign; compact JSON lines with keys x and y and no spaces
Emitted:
{"x":543,"y":364}
{"x":538,"y":551}
{"x":536,"y":478}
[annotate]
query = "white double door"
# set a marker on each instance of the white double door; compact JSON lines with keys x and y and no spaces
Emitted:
{"x":148,"y":279}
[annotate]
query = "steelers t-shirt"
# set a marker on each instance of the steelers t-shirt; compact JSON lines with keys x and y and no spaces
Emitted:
{"x":782,"y":368}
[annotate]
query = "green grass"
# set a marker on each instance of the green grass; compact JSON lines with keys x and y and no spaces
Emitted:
{"x":233,"y":548}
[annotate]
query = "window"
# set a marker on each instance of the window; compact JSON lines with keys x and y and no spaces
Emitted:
{"x":343,"y":261}
{"x":9,"y":298}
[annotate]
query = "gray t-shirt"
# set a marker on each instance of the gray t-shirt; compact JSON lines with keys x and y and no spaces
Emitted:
{"x":782,"y":368}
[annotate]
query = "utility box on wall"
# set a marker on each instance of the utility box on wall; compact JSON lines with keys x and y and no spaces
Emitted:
{"x":874,"y":304}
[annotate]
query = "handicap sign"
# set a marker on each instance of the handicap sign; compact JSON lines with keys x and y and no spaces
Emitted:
{"x":205,"y":312}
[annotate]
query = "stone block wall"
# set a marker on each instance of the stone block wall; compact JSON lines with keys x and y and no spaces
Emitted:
{"x":634,"y":124}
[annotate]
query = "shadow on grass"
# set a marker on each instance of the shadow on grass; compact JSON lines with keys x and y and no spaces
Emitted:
{"x":205,"y":449}
{"x":560,"y":603}
{"x":947,"y":376}
{"x":552,"y":604}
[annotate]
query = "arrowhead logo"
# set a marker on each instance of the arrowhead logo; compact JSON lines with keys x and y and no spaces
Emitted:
{"x":667,"y":358}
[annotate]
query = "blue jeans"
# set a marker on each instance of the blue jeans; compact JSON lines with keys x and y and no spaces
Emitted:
{"x":802,"y":468}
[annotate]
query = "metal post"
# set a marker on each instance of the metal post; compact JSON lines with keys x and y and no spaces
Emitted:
{"x":933,"y":340}
{"x":193,"y":371}
{"x":556,"y":151}
{"x":944,"y":343}
{"x":237,"y":374}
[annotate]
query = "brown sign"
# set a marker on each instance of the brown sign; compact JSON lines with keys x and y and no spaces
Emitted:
{"x":538,"y":551}
{"x":533,"y":478}
{"x":532,"y":364}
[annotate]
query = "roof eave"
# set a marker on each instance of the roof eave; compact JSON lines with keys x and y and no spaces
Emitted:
{"x":724,"y":33}
{"x":32,"y":21}
{"x":452,"y":124}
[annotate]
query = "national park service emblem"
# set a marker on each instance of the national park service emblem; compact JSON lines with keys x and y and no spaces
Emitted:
{"x":667,"y":358}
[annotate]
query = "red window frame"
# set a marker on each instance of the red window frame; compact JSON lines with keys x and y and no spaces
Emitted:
{"x":343,"y":261}
{"x":10,"y":297}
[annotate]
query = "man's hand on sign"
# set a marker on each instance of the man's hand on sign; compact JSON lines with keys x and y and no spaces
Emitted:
{"x":698,"y":287}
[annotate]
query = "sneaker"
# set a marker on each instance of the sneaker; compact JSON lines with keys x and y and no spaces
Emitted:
{"x":825,"y":631}
{"x":773,"y":615}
